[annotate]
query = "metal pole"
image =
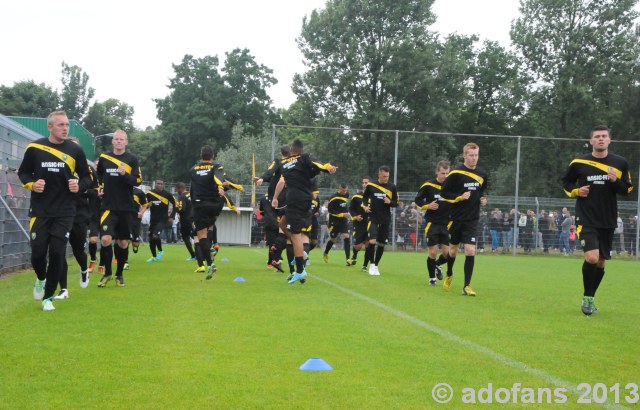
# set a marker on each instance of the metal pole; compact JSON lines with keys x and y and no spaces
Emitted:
{"x":515,"y":217}
{"x":638,"y":225}
{"x":273,"y":142}
{"x":395,"y":182}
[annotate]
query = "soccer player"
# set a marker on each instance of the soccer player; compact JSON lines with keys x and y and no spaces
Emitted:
{"x":360,"y":220}
{"x":185,"y":210}
{"x":118,"y":172}
{"x":78,"y":235}
{"x":338,"y":222}
{"x":54,"y":169}
{"x":464,"y":188}
{"x":208,"y":198}
{"x":159,"y":200}
{"x":437,"y":218}
{"x":596,"y":179}
{"x":140,"y":198}
{"x":378,"y":199}
{"x":298,"y":171}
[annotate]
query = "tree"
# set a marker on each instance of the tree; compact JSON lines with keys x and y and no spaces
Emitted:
{"x":581,"y":54}
{"x":75,"y":95}
{"x":204,"y":105}
{"x":108,"y":116}
{"x":237,"y":156}
{"x":28,"y":99}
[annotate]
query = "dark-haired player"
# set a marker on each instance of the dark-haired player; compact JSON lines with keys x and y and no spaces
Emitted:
{"x":596,"y":179}
{"x":360,"y":220}
{"x":338,"y":222}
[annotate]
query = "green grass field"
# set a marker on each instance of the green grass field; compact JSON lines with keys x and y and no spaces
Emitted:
{"x":170,"y":339}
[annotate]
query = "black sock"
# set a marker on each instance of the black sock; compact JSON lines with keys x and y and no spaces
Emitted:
{"x":328,"y":247}
{"x":279,"y":244}
{"x":369,"y":254}
{"x":290,"y":257}
{"x":198,"y":252}
{"x":306,"y":248}
{"x":121,"y":255}
{"x":312,"y":246}
{"x":588,"y":278}
{"x":431,"y":267}
{"x":152,"y":246}
{"x":450,"y":262}
{"x":93,"y":249}
{"x":159,"y":244}
{"x":347,"y":247}
{"x":205,"y":246}
{"x":299,"y":264}
{"x":599,"y":276}
{"x":355,"y":253}
{"x":468,"y":269}
{"x":441,"y":260}
{"x":379,"y":253}
{"x":106,"y":257}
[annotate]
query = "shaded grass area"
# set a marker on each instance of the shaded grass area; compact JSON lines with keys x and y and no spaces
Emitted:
{"x":170,"y":339}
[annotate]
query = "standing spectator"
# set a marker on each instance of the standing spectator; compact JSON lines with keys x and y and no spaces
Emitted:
{"x":494,"y":228}
{"x":631,"y":235}
{"x":618,"y":235}
{"x":543,"y":226}
{"x":506,"y":228}
{"x":565,"y":230}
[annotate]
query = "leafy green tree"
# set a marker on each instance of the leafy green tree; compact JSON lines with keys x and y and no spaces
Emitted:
{"x":204,"y":105}
{"x":76,"y":95}
{"x":149,"y":146}
{"x":28,"y":99}
{"x":237,"y":156}
{"x":108,"y":116}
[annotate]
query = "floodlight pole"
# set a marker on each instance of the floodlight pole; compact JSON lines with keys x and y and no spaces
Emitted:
{"x":515,"y":217}
{"x":638,"y":214}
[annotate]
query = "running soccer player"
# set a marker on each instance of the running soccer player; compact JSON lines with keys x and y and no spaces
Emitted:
{"x":378,"y":199}
{"x":464,"y":188}
{"x":297,"y":173}
{"x":360,"y":220}
{"x":159,"y":200}
{"x":118,"y":172}
{"x":54,"y":169}
{"x":141,"y":201}
{"x":338,"y":223}
{"x":437,"y":218}
{"x":595,"y":180}
{"x":185,"y":210}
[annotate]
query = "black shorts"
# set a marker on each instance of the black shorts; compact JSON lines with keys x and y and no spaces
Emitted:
{"x":378,"y":231}
{"x":42,"y":229}
{"x":94,"y":226}
{"x":359,"y":232}
{"x":116,"y":224}
{"x":463,"y":231}
{"x":596,"y":238}
{"x":206,"y":214}
{"x":437,"y":234}
{"x":298,"y":215}
{"x":156,"y":228}
{"x":136,"y":224}
{"x":337,"y":226}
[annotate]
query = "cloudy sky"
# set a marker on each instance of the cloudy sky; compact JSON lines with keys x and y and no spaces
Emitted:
{"x":127,"y":47}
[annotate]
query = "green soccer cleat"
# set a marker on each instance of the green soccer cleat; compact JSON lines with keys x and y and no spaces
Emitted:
{"x":210,"y":270}
{"x":104,"y":280}
{"x":587,"y":305}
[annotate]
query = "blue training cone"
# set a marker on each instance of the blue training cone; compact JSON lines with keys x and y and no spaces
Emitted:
{"x":315,"y":364}
{"x":225,"y":259}
{"x":239,"y":279}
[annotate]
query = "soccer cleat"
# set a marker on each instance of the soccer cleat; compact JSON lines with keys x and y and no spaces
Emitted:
{"x":201,"y":269}
{"x":467,"y":291}
{"x":38,"y":289}
{"x":126,"y":266}
{"x":84,"y":279}
{"x":104,"y":280}
{"x":348,"y":262}
{"x":92,"y":266}
{"x":447,"y":283}
{"x":353,"y":261}
{"x":289,"y":276}
{"x":325,"y":257}
{"x":152,"y":259}
{"x":135,"y":248}
{"x":594,"y":309}
{"x":307,"y":262}
{"x":47,"y":305}
{"x":214,"y":250}
{"x":439,"y":272}
{"x":587,"y":305}
{"x":364,"y":268}
{"x":210,"y":270}
{"x":160,"y":255}
{"x":297,"y":276}
{"x":63,"y":294}
{"x":373,"y":270}
{"x":101,"y":270}
{"x":120,"y":281}
{"x":277,"y":265}
{"x":193,"y":258}
{"x":432,"y":282}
